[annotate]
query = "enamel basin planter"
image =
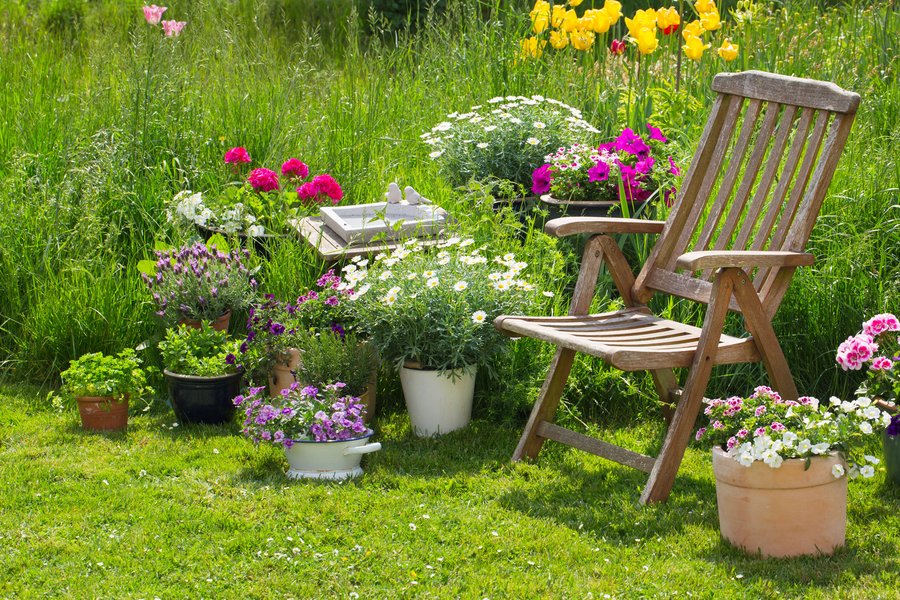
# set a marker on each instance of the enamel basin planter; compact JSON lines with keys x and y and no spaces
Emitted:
{"x":335,"y":460}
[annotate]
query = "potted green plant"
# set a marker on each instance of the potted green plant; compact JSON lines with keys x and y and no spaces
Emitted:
{"x":429,"y":313}
{"x":876,"y":348}
{"x":203,"y":373}
{"x":613,"y":178}
{"x":323,"y":432}
{"x":102,"y":385}
{"x":199,"y":283}
{"x":774,"y":459}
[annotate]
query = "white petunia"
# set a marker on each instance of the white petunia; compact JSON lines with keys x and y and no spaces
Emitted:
{"x":820,"y":448}
{"x":837,"y":471}
{"x":478,"y":317}
{"x":804,"y":446}
{"x":867,"y":471}
{"x":872,"y":459}
{"x":865,"y":427}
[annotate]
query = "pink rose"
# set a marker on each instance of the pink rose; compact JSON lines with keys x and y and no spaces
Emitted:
{"x":295,"y":168}
{"x":263,"y":180}
{"x":173,"y":28}
{"x":237,"y":156}
{"x":153,"y":13}
{"x":881,"y":323}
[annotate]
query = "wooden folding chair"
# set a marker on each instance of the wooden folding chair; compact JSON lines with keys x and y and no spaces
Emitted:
{"x":729,"y":248}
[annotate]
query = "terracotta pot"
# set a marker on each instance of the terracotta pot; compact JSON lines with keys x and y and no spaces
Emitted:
{"x":369,"y":398}
{"x":437,"y":403}
{"x":892,"y":458}
{"x":103,"y":413}
{"x":219,"y":324}
{"x":203,"y":399}
{"x":788,"y":511}
{"x":282,"y":374}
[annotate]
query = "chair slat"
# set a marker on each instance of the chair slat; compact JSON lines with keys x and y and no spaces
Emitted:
{"x":820,"y":95}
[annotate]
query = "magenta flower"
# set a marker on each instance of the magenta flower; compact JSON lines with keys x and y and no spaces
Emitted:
{"x":881,"y":363}
{"x":153,"y":14}
{"x":645,"y":165}
{"x":656,"y":134}
{"x":599,"y":172}
{"x":237,"y":156}
{"x":263,"y":180}
{"x":856,"y":350}
{"x":673,"y":168}
{"x":629,"y":141}
{"x":322,"y":187}
{"x":881,"y":323}
{"x":617,"y":47}
{"x":540,"y":180}
{"x":173,"y":28}
{"x":294,"y":168}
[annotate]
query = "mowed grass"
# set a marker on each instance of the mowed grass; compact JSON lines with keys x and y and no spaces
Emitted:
{"x":176,"y":512}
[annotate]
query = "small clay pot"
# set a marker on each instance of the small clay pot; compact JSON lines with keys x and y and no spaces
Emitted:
{"x":282,"y":374}
{"x":369,"y":398}
{"x":103,"y":413}
{"x":219,"y":324}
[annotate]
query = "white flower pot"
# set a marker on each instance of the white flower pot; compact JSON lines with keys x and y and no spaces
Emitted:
{"x":328,"y":460}
{"x":438,"y":403}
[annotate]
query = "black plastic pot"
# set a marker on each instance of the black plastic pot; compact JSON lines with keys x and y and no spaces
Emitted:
{"x":203,"y":399}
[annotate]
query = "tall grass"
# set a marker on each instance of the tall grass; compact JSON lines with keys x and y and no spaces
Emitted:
{"x":102,"y":121}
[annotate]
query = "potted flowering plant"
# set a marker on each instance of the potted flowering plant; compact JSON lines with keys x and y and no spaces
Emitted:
{"x":876,"y":348}
{"x":202,"y":372}
{"x":430,"y":315}
{"x":322,"y":432}
{"x":774,"y":458}
{"x":102,"y":386}
{"x":199,"y":283}
{"x":624,"y":173}
{"x":257,"y":202}
{"x":504,"y":139}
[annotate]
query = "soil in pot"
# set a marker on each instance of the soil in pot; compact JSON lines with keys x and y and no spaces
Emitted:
{"x":203,"y":399}
{"x":103,"y":413}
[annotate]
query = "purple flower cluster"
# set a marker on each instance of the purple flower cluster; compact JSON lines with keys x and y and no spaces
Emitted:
{"x":196,"y":282}
{"x":302,"y":414}
{"x":584,"y":173}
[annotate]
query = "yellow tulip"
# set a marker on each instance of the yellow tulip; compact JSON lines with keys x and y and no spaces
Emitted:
{"x":559,"y":14}
{"x":641,"y":20}
{"x":705,"y":6}
{"x":559,"y":39}
{"x":574,"y":3}
{"x":710,"y":21}
{"x":613,"y":9}
{"x":583,"y":39}
{"x":668,"y":20}
{"x":694,"y":48}
{"x":728,"y":51}
{"x":570,"y":21}
{"x":646,"y":40}
{"x":533,"y":47}
{"x":692,"y":29}
{"x":598,"y":19}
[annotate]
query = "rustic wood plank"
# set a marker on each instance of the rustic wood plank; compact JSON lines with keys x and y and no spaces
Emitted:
{"x":712,"y":259}
{"x":609,"y":451}
{"x":782,"y":89}
{"x":544,"y":409}
{"x":564,"y":226}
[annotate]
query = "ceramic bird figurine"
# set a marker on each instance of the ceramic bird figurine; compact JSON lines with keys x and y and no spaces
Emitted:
{"x":412,"y":196}
{"x":393,"y":194}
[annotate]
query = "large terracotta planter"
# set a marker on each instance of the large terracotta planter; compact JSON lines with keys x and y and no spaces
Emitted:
{"x":219,"y":324}
{"x":437,"y":403}
{"x":103,"y":413}
{"x":369,"y":397}
{"x":788,"y":511}
{"x":329,"y":460}
{"x":203,"y":399}
{"x":892,"y":458}
{"x":282,"y":374}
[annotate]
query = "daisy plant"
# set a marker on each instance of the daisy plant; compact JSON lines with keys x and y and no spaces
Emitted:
{"x":767,"y":428}
{"x":435,"y":307}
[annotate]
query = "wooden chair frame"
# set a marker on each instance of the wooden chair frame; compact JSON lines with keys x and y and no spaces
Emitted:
{"x":718,"y":243}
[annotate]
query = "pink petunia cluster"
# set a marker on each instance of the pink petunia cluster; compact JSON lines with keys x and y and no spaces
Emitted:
{"x":881,"y":323}
{"x":855,"y":351}
{"x":321,"y":188}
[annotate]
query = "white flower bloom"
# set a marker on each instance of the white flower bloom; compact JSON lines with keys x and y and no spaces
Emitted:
{"x":788,"y":438}
{"x":837,"y":471}
{"x":390,"y":262}
{"x":444,"y":126}
{"x":360,"y":292}
{"x":539,"y":125}
{"x":548,"y":294}
{"x":363,"y":263}
{"x":428,"y":274}
{"x":533,"y":141}
{"x":256,"y":230}
{"x":502,"y":286}
{"x":389,"y":299}
{"x":863,"y":402}
{"x":820,"y":448}
{"x":867,"y":471}
{"x":411,"y":276}
{"x":460,"y":286}
{"x":509,"y":256}
{"x":865,"y":427}
{"x":515,"y":120}
{"x":871,"y":412}
{"x":444,"y":261}
{"x":496,"y":99}
{"x":490,"y":128}
{"x":466,"y":242}
{"x":746,"y":459}
{"x":481,"y":145}
{"x":847,"y":407}
{"x":872,"y":459}
{"x":431,"y":282}
{"x":495,"y":276}
{"x":436,"y":154}
{"x":478,"y":317}
{"x":349,"y":268}
{"x":804,"y":446}
{"x":835,"y":401}
{"x":385,"y":276}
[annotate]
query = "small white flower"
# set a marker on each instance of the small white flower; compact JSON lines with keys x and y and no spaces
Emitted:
{"x":389,"y":299}
{"x":804,"y":446}
{"x":863,"y":402}
{"x":349,"y":268}
{"x":361,"y":291}
{"x":533,"y":141}
{"x":256,"y":230}
{"x":496,"y":99}
{"x":820,"y":448}
{"x":444,"y":261}
{"x":431,"y":282}
{"x":412,"y":526}
{"x":837,"y":471}
{"x":548,"y":294}
{"x":385,"y":276}
{"x":428,"y":274}
{"x":495,"y":276}
{"x":394,"y":291}
{"x":502,"y":286}
{"x":466,"y":242}
{"x":435,"y":154}
{"x":444,"y":126}
{"x":460,"y":286}
{"x":539,"y":125}
{"x":363,"y":263}
{"x":490,"y":128}
{"x":746,"y":459}
{"x":872,"y":459}
{"x":411,"y":276}
{"x":865,"y":427}
{"x":509,"y":256}
{"x":481,"y":145}
{"x":478,"y":317}
{"x":867,"y":471}
{"x":390,"y":262}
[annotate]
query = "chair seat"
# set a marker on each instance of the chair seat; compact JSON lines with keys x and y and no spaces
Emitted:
{"x":631,"y":340}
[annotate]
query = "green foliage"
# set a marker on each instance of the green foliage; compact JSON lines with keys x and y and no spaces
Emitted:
{"x":328,"y":358}
{"x":97,"y":374}
{"x":202,"y":351}
{"x":400,"y":14}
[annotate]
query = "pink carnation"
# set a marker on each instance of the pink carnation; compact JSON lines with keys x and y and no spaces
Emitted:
{"x":881,"y":363}
{"x":173,"y":28}
{"x":263,"y":180}
{"x":881,"y":323}
{"x":295,"y":168}
{"x":237,"y":156}
{"x":855,"y":351}
{"x":153,"y":13}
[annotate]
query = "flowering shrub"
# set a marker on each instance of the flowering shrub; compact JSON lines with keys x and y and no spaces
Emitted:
{"x":302,"y":413}
{"x":259,"y":203}
{"x":766,"y":428}
{"x":876,"y":347}
{"x":198,"y":283}
{"x":202,"y":352}
{"x":436,"y":308}
{"x":506,"y":138}
{"x":629,"y":165}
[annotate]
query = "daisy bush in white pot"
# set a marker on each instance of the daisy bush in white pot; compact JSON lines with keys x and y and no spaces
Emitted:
{"x":430,"y":313}
{"x":774,"y":458}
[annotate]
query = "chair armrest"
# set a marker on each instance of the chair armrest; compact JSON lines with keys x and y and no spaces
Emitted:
{"x":714,"y":259}
{"x":572,"y":225}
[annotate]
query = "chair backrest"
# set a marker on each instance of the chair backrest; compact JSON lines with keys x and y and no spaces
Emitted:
{"x":760,"y":190}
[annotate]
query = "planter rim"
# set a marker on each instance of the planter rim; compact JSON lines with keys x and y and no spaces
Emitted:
{"x":415,"y":366}
{"x":369,"y":433}
{"x":185,"y":319}
{"x":548,"y":199}
{"x":226,"y":376}
{"x":792,"y":474}
{"x":111,"y":399}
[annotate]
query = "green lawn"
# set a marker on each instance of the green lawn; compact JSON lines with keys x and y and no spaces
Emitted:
{"x":167,"y":511}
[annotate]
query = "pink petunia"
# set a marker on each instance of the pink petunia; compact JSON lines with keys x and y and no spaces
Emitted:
{"x":599,"y":172}
{"x":760,"y":410}
{"x":263,"y":180}
{"x":173,"y":28}
{"x":656,"y":134}
{"x":236,"y":156}
{"x":153,"y":14}
{"x":295,"y":168}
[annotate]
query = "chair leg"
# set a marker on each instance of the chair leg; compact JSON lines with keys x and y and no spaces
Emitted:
{"x":662,"y":477}
{"x":545,"y":408}
{"x":666,"y":386}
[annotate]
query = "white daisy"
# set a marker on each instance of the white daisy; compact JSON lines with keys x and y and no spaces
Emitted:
{"x":385,"y":276}
{"x":478,"y":317}
{"x":435,"y":154}
{"x":539,"y":125}
{"x":431,"y":282}
{"x":460,"y":286}
{"x":533,"y":141}
{"x":481,"y":145}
